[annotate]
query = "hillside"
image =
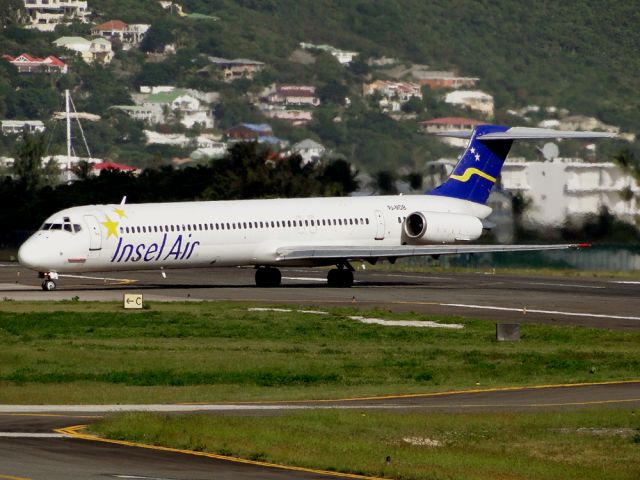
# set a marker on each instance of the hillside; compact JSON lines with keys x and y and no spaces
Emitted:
{"x":577,"y":56}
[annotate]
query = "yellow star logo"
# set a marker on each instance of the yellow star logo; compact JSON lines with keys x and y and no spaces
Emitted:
{"x":111,"y":226}
{"x":120,"y":212}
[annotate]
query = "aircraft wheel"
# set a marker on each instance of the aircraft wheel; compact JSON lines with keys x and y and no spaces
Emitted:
{"x":268,"y":277}
{"x":48,"y":285}
{"x":340,"y":278}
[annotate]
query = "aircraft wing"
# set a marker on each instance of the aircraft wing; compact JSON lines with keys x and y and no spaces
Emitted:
{"x":376,"y":252}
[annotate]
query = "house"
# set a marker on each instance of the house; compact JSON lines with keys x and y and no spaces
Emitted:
{"x":45,"y":15}
{"x":450,"y":124}
{"x":472,"y":99}
{"x":17,"y":127}
{"x":97,"y":50}
{"x":237,"y":68}
{"x":161,"y":107}
{"x":310,"y":150}
{"x":295,"y":117}
{"x":394,"y":94}
{"x":180,"y":140}
{"x":249,"y":131}
{"x":129,"y":35}
{"x":565,"y":188}
{"x":581,"y":122}
{"x":345,"y":57}
{"x":299,"y":95}
{"x":442,"y":79}
{"x":401,"y":91}
{"x":25,"y":63}
{"x":184,"y":106}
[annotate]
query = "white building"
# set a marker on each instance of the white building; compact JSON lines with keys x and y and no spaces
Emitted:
{"x":309,"y":150}
{"x":345,"y":57}
{"x":95,"y":50}
{"x":45,"y":15}
{"x":561,"y":189}
{"x":568,"y":187}
{"x":179,"y":105}
{"x":473,"y":99}
{"x":17,"y":127}
{"x":294,"y":117}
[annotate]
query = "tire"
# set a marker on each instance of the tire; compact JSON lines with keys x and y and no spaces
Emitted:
{"x":268,"y":277}
{"x":48,"y":285}
{"x":340,"y":278}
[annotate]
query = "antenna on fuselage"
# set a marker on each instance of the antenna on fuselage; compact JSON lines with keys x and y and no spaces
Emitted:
{"x":124,"y":200}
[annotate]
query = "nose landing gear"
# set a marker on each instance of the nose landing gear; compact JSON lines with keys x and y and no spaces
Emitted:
{"x":48,"y":284}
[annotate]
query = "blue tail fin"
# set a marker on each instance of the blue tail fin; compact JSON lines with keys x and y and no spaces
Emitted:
{"x":480,"y":164}
{"x":478,"y":168}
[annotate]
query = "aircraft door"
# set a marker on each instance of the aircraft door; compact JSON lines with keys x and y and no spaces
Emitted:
{"x":379,"y":225}
{"x":95,"y":235}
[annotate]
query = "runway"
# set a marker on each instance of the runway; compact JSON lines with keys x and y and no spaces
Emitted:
{"x":32,"y":446}
{"x":593,"y":302}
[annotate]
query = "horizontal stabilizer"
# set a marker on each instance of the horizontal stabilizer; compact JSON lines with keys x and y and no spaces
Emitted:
{"x":526,"y":133}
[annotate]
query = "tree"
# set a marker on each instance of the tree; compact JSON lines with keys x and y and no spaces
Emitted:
{"x":28,"y":164}
{"x":384,"y":183}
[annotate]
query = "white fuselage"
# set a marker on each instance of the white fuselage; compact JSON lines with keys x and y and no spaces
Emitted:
{"x":220,"y":233}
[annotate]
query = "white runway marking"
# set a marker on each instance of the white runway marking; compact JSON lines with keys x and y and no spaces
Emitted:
{"x":560,"y":285}
{"x":371,"y":321}
{"x":626,"y":282}
{"x":306,"y":279}
{"x":406,"y":323}
{"x":421,"y":277}
{"x":525,"y":310}
{"x":31,"y":435}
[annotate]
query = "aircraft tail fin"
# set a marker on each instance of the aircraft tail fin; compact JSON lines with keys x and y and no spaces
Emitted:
{"x":480,"y":165}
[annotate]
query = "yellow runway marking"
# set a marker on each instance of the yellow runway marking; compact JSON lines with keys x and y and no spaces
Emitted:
{"x":75,"y":432}
{"x":9,"y":477}
{"x":432,"y":394}
{"x":48,"y":415}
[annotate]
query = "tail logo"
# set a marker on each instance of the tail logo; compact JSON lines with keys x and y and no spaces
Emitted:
{"x":469,"y":172}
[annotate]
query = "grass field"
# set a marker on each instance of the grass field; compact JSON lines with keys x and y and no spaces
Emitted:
{"x":593,"y":444}
{"x":83,"y":352}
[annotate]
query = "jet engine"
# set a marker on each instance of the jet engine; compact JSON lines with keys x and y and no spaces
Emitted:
{"x":422,"y":228}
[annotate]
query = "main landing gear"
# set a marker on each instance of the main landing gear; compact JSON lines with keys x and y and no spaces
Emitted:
{"x":341,"y":277}
{"x":48,"y":284}
{"x":268,"y":277}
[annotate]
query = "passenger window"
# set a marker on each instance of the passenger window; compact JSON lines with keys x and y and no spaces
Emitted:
{"x":367,"y":221}
{"x":351,"y":221}
{"x":339,"y":221}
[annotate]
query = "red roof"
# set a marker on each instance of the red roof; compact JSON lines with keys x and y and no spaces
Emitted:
{"x":114,"y":166}
{"x":451,"y":121}
{"x":111,"y":25}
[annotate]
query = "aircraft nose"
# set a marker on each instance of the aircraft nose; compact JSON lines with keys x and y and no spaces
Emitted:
{"x":29,"y":255}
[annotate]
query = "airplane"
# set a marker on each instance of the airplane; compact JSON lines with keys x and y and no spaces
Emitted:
{"x":301,"y":232}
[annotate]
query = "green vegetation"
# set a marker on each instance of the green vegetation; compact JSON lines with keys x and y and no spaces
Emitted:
{"x":196,"y":352}
{"x":582,"y":445}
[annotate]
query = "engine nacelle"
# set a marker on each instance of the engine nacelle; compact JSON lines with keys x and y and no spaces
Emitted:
{"x":436,"y":227}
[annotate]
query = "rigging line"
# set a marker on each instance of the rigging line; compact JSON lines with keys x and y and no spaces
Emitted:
{"x":84,"y":138}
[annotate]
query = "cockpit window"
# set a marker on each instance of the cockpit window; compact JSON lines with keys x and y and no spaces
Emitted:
{"x":67,"y":227}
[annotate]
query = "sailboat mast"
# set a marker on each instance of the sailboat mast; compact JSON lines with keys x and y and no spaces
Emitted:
{"x":66,"y":101}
